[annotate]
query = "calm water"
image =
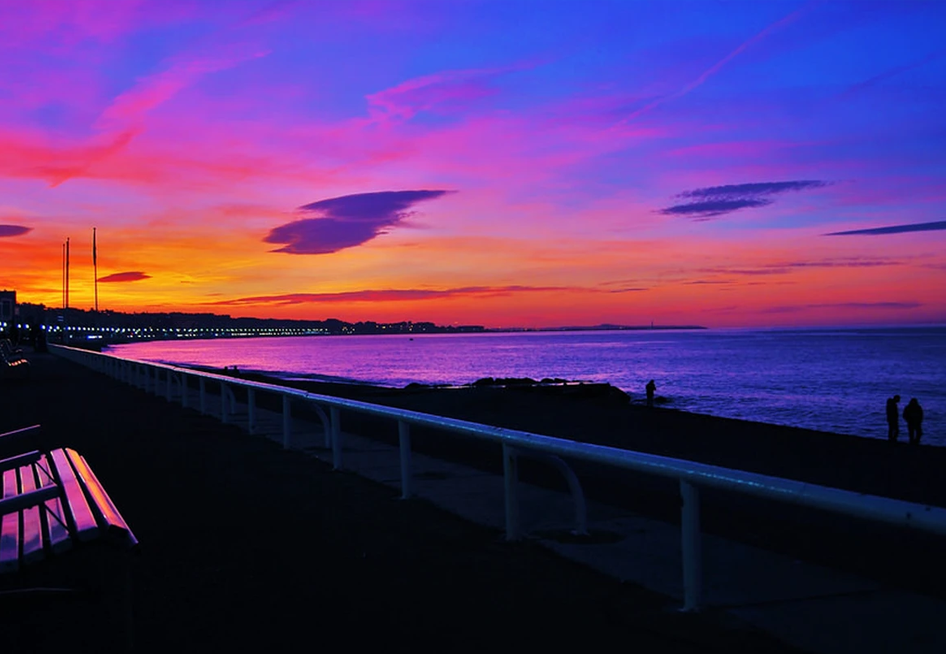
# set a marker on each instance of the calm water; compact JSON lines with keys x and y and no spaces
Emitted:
{"x":832,"y":380}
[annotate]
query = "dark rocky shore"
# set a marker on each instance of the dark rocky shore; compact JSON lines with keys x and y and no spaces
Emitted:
{"x":247,"y":547}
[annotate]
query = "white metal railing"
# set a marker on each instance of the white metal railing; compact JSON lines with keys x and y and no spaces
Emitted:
{"x":691,"y":475}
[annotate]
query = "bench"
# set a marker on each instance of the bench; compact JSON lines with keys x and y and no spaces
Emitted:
{"x":13,"y":365}
{"x":51,"y":503}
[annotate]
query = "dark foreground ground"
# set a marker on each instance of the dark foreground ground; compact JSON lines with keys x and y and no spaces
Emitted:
{"x":245,"y":547}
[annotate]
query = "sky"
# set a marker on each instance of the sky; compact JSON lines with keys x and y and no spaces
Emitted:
{"x":507,"y":163}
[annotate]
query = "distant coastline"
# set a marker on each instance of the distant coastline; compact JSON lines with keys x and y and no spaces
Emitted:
{"x":603,"y":327}
{"x":108,"y":327}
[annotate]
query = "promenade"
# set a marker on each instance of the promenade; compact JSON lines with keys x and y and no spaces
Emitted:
{"x":247,"y":546}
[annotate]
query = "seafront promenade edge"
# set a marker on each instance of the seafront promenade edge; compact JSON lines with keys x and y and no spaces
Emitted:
{"x":246,"y":546}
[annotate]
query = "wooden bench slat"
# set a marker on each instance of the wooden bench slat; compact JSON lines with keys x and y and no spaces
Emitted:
{"x":101,"y":501}
{"x":56,"y":530}
{"x":10,"y":527}
{"x":32,"y":526}
{"x":85,"y":525}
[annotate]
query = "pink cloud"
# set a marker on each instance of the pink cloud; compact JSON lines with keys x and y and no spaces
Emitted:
{"x":439,"y":90}
{"x":154,"y":90}
{"x":36,"y":157}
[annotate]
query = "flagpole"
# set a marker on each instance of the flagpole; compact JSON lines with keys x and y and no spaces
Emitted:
{"x":95,"y":271}
{"x":67,"y":272}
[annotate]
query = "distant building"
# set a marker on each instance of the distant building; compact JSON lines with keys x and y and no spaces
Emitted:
{"x":7,"y":307}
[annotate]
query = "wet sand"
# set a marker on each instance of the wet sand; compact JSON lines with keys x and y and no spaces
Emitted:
{"x":246,"y":547}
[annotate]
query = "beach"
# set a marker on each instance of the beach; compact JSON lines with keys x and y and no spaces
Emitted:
{"x":245,"y":546}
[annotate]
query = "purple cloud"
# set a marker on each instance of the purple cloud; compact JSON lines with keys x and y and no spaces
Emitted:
{"x":125,"y":277}
{"x":13,"y":230}
{"x":346,"y":221}
{"x":712,"y":201}
{"x":894,"y":229}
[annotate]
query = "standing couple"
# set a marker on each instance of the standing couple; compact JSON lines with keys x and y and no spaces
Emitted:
{"x":912,"y":415}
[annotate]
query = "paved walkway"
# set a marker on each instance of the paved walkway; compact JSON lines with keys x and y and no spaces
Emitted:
{"x":812,"y":607}
{"x":248,"y":546}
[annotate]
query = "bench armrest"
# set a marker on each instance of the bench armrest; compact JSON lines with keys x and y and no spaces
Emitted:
{"x":20,"y":460}
{"x":19,"y":432}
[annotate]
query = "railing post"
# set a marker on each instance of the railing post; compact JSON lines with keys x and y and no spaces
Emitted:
{"x":336,"y":423}
{"x":511,"y":479}
{"x":692,"y":547}
{"x":167,"y":374}
{"x":251,"y":410}
{"x":286,"y":422}
{"x":203,"y":395}
{"x":183,"y":379}
{"x":404,"y":441}
{"x":224,"y":414}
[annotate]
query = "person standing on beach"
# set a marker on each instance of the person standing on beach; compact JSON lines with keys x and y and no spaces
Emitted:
{"x":893,"y":419}
{"x":913,"y":415}
{"x":651,"y":388}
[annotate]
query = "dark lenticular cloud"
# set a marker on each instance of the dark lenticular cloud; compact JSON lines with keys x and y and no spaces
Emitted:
{"x":13,"y":230}
{"x":125,"y":277}
{"x":346,"y":221}
{"x":712,"y":201}
{"x":894,"y":229}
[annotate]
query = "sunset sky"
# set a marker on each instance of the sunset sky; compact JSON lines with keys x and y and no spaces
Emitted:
{"x":503,"y":163}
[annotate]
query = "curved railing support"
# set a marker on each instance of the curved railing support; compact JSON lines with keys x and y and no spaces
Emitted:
{"x":510,"y":467}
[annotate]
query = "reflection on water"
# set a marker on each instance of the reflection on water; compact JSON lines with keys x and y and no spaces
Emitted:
{"x":832,"y":380}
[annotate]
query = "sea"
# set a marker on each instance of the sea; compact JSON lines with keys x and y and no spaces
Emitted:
{"x":833,"y":380}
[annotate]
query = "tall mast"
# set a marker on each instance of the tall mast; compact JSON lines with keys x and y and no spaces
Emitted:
{"x":67,"y":272}
{"x":95,"y":271}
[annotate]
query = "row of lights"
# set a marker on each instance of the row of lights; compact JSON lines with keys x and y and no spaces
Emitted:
{"x":137,"y":331}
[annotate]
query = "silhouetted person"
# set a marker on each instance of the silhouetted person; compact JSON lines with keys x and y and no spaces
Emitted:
{"x":893,"y":418}
{"x":913,"y":415}
{"x":41,"y":340}
{"x":651,"y":387}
